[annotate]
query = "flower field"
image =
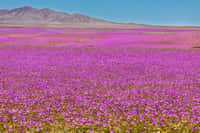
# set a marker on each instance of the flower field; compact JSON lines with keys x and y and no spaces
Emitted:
{"x":99,"y":80}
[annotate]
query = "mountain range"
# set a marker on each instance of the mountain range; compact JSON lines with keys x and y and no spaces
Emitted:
{"x":28,"y":15}
{"x":46,"y":17}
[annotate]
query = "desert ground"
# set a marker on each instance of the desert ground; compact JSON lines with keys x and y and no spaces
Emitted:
{"x":99,"y":79}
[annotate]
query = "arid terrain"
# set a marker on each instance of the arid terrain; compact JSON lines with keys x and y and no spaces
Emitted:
{"x":105,"y":79}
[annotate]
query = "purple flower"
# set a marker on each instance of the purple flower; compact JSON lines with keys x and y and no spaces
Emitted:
{"x":154,"y":122}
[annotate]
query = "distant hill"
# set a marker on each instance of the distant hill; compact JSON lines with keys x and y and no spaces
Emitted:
{"x":25,"y":16}
{"x":28,"y":15}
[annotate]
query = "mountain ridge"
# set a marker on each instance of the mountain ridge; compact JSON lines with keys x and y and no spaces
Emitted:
{"x":29,"y":15}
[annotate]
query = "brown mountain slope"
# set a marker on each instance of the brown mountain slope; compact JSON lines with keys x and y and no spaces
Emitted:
{"x":29,"y":15}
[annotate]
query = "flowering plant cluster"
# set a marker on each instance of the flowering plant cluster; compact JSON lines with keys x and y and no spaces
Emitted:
{"x":93,"y":89}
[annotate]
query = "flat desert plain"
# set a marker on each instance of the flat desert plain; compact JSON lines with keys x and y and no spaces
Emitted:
{"x":96,"y":80}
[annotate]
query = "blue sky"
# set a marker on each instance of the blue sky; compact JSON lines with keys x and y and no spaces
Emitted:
{"x":154,"y":12}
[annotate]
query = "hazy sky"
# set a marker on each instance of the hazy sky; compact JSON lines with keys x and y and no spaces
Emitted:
{"x":155,"y":12}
